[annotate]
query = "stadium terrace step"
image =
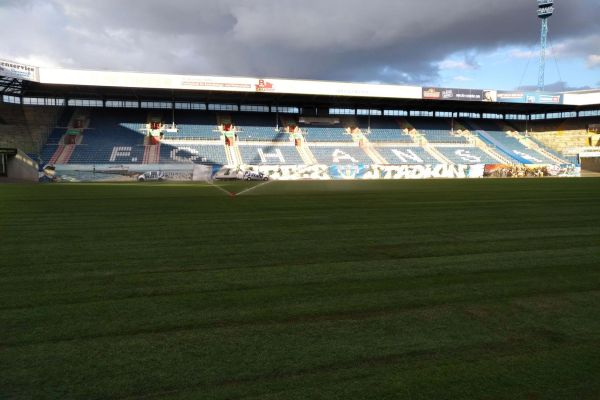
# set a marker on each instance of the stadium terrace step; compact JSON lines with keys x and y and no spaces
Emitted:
{"x":507,"y":143}
{"x":436,"y":154}
{"x":466,"y":155}
{"x":368,"y":148}
{"x":324,"y":130}
{"x":57,"y":152}
{"x":274,"y":154}
{"x":306,"y":155}
{"x":65,"y":155}
{"x":152,"y":154}
{"x":339,"y":154}
{"x":436,"y":131}
{"x":258,"y":127}
{"x":190,"y":153}
{"x":405,"y":155}
{"x":491,"y":152}
{"x":564,"y":144}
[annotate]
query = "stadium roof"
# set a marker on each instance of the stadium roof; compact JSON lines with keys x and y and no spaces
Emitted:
{"x":63,"y":79}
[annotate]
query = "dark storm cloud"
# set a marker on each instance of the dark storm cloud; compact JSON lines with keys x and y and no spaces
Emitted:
{"x":379,"y":40}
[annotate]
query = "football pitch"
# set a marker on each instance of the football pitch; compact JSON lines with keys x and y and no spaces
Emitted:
{"x":438,"y":289}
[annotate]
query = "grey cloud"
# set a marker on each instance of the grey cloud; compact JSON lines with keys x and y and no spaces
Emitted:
{"x":401,"y":41}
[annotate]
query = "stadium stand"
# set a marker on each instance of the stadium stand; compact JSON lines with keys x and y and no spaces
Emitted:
{"x":55,"y":136}
{"x":193,"y":125}
{"x":112,"y":137}
{"x":436,"y":130}
{"x":118,"y":136}
{"x":467,"y":155}
{"x":325,"y":131}
{"x":258,"y":127}
{"x":26,"y":127}
{"x":565,"y":138}
{"x":406,"y":155}
{"x":193,"y":153}
{"x":382,"y":130}
{"x":117,"y":127}
{"x":326,"y":134}
{"x":342,"y":155}
{"x":270,"y":155}
{"x":491,"y":133}
{"x":103,"y":154}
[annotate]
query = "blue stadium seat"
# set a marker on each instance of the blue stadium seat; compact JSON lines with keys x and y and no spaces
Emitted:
{"x":193,"y":154}
{"x":406,"y":155}
{"x":493,"y":135}
{"x":47,"y":152}
{"x":467,"y":155}
{"x":199,"y":125}
{"x":340,"y":155}
{"x":107,"y":153}
{"x":436,"y":130}
{"x":270,"y":155}
{"x":258,"y":127}
{"x":383,"y":130}
{"x":326,"y":134}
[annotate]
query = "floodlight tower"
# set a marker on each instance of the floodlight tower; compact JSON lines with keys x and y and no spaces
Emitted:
{"x":544,"y":12}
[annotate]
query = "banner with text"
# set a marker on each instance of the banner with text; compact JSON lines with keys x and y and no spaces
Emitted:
{"x":16,"y":70}
{"x":529,"y":97}
{"x":433,"y":93}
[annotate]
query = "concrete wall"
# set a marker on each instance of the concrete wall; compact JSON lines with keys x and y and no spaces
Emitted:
{"x":590,"y":164}
{"x":21,"y":168}
{"x":26,"y":127}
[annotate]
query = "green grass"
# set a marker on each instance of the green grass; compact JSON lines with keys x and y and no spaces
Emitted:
{"x":483,"y":289}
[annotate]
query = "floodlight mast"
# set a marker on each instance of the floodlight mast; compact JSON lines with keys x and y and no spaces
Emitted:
{"x":544,"y":12}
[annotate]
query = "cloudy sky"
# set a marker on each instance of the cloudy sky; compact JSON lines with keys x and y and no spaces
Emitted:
{"x":451,"y":43}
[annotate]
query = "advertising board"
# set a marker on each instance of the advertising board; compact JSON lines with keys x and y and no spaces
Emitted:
{"x":16,"y":70}
{"x":434,"y":93}
{"x":529,"y":97}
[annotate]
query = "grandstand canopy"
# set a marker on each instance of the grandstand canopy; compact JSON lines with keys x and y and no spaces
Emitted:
{"x":30,"y":81}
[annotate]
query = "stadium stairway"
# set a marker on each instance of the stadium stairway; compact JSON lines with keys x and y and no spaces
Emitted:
{"x":236,"y":155}
{"x":65,"y":154}
{"x":532,"y":144}
{"x":64,"y":151}
{"x":59,"y":150}
{"x":435,"y":153}
{"x":423,"y":142}
{"x":225,"y":126}
{"x":152,"y":154}
{"x":507,"y":143}
{"x":482,"y":145}
{"x":368,"y":147}
{"x":436,"y":131}
{"x":307,"y":156}
{"x":491,"y":152}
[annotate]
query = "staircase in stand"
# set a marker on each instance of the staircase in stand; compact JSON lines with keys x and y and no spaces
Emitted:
{"x":482,"y":145}
{"x":152,"y":154}
{"x":63,"y":154}
{"x":491,"y":152}
{"x":434,"y":152}
{"x":307,"y":156}
{"x":530,"y":143}
{"x":422,"y":141}
{"x":56,"y":154}
{"x":65,"y":150}
{"x":367,"y":147}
